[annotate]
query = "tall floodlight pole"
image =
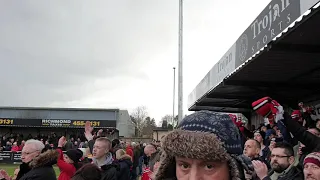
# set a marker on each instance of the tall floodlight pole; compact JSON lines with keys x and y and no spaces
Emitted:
{"x":174,"y":94}
{"x":180,"y":80}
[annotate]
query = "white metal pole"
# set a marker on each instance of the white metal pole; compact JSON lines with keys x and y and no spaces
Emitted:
{"x":180,"y":80}
{"x":174,"y":94}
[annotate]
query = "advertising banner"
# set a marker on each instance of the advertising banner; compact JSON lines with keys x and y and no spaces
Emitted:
{"x":275,"y":18}
{"x":8,"y":157}
{"x":55,"y":123}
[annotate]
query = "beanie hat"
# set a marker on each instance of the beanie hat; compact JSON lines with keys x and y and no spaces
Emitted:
{"x":219,"y":124}
{"x":262,"y":134}
{"x":296,"y":115}
{"x":269,"y":133}
{"x":313,"y":158}
{"x":74,"y":154}
{"x":204,"y":135}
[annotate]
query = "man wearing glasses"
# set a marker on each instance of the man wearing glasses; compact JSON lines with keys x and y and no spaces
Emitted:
{"x":282,"y":160}
{"x":31,"y":149}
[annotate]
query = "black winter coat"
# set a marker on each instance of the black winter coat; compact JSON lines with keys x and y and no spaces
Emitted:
{"x":42,"y":167}
{"x":125,"y":165}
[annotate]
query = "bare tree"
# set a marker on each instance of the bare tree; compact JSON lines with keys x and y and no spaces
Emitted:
{"x":172,"y":121}
{"x":138,"y":117}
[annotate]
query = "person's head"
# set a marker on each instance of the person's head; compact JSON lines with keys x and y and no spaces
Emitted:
{"x":296,"y":115}
{"x":73,"y":156}
{"x":149,"y":150}
{"x":252,"y":148}
{"x":15,"y":144}
{"x":272,"y":142}
{"x":101,"y":147}
{"x":128,"y":143}
{"x":88,"y":172}
{"x":133,"y":144}
{"x":115,"y":142}
{"x":122,"y":155}
{"x":204,"y":146}
{"x":271,"y":133}
{"x":282,"y":157}
{"x":258,"y":137}
{"x":300,"y":104}
{"x":311,"y":168}
{"x":31,"y":149}
{"x":264,"y":128}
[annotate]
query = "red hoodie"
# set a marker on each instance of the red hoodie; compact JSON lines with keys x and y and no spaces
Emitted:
{"x":15,"y":148}
{"x":66,"y":170}
{"x":129,"y":151}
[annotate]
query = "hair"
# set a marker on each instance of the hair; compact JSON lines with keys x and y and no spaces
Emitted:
{"x":288,"y":150}
{"x":258,"y":145}
{"x":133,"y":144}
{"x":105,"y":140}
{"x":87,"y":172}
{"x":115,"y":142}
{"x":38,"y":145}
{"x":120,"y":153}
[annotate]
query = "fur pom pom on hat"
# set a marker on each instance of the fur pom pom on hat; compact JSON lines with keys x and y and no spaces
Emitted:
{"x":207,"y":136}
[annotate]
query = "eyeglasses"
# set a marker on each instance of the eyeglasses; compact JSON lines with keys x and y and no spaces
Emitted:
{"x":28,"y":153}
{"x":278,"y":156}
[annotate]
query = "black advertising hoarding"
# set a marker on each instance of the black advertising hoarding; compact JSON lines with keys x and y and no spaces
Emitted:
{"x":76,"y":123}
{"x":275,"y":18}
{"x":55,"y":123}
{"x":19,"y":122}
{"x":8,"y":157}
{"x":16,"y":158}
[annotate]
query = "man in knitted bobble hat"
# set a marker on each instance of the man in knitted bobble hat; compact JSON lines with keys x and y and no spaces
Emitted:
{"x":311,"y":168}
{"x":206,"y":146}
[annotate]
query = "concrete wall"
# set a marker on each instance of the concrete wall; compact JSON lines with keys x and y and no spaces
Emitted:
{"x":124,"y":125}
{"x":158,"y":135}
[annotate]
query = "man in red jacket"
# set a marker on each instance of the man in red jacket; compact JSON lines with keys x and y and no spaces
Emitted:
{"x":129,"y":149}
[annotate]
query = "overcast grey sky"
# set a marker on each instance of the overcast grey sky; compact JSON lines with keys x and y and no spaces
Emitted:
{"x":112,"y":53}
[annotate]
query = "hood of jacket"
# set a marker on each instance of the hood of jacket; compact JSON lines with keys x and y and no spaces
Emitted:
{"x":108,"y":160}
{"x":47,"y":158}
